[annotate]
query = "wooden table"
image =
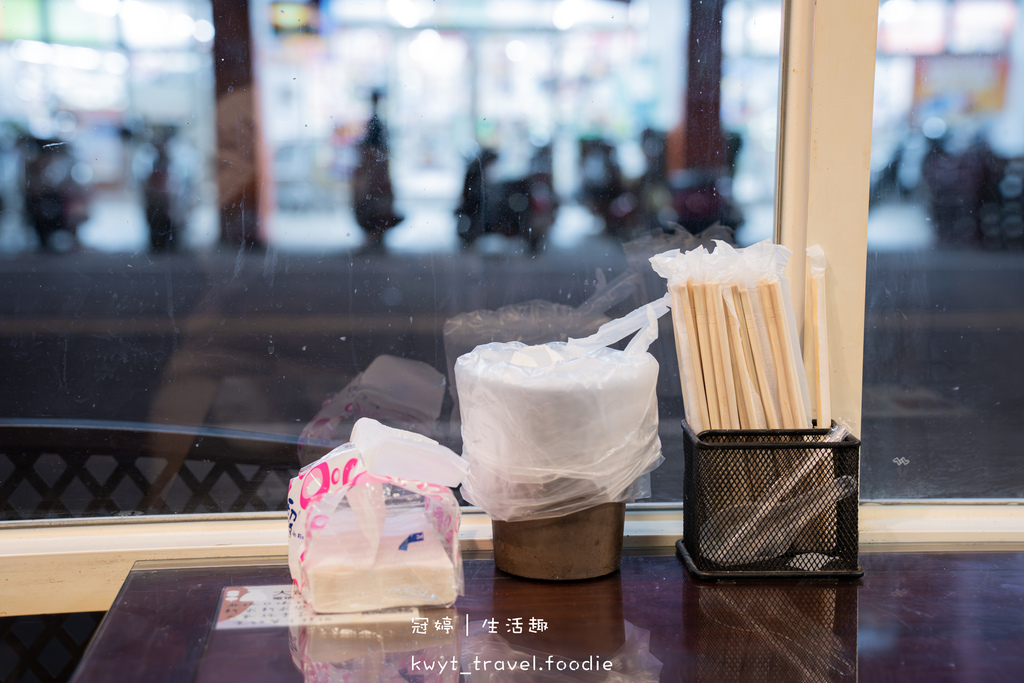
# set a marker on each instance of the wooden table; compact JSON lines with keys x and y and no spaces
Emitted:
{"x":929,"y":616}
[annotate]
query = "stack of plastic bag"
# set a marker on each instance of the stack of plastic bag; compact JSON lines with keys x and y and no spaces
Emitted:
{"x":532,"y":322}
{"x":373,"y":524}
{"x":554,"y":429}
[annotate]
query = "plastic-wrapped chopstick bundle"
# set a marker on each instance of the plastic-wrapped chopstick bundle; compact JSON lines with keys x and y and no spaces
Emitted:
{"x":736,"y":337}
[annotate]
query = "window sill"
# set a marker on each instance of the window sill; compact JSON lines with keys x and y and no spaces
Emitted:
{"x":79,"y":565}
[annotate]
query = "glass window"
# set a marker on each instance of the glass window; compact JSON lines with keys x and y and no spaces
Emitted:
{"x":229,"y":227}
{"x":946,"y":239}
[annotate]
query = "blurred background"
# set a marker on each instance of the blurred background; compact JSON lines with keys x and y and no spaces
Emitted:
{"x":272,"y":218}
{"x":588,"y":93}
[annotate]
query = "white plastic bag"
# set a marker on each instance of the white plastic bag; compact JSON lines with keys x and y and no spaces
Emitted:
{"x":558,"y":428}
{"x":381,"y":544}
{"x":374,"y":524}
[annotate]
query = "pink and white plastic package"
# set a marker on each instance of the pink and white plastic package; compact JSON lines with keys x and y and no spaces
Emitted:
{"x":369,"y":530}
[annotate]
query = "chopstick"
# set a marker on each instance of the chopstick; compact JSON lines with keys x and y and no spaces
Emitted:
{"x":721,"y":357}
{"x":685,"y":371}
{"x":683,"y":297}
{"x":700,"y":308}
{"x":786,"y":414}
{"x":789,"y":359}
{"x":821,"y":370}
{"x":745,"y":392}
{"x":771,"y":413}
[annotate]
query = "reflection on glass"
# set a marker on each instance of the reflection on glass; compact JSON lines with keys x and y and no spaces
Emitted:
{"x":945,"y":240}
{"x":228,"y":215}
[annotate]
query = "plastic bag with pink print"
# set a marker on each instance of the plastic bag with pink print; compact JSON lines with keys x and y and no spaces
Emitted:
{"x":374,"y":524}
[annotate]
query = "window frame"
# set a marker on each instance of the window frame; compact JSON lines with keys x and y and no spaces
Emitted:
{"x":828,"y":65}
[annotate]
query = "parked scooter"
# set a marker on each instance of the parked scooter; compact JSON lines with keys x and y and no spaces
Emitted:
{"x":604,"y":191}
{"x":693,"y":198}
{"x":702,"y":198}
{"x":373,"y":197}
{"x":56,"y":203}
{"x":521,"y":207}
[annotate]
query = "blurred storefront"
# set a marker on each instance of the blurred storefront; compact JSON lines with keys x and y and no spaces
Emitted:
{"x":513,"y":77}
{"x":118,"y":80}
{"x":109,"y":80}
{"x":947,"y":120}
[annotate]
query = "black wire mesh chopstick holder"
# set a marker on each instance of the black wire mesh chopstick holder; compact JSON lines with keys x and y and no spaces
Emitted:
{"x":770,"y":504}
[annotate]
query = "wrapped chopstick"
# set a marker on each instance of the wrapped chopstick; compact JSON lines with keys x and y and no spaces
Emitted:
{"x":817,"y":331}
{"x":736,"y":336}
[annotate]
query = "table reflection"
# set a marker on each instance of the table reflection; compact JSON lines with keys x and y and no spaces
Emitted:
{"x":914,"y":616}
{"x":494,"y":658}
{"x":783,"y":632}
{"x":386,"y":646}
{"x":508,"y":636}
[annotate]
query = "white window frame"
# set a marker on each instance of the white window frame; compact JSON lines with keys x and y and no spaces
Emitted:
{"x":828,"y":64}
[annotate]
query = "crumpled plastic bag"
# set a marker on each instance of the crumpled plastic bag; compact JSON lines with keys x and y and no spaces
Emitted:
{"x":374,"y":524}
{"x":554,"y":429}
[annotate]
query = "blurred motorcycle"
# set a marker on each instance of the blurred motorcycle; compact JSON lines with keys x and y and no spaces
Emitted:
{"x":604,"y":191}
{"x":703,"y":198}
{"x":56,"y":203}
{"x":694,"y":198}
{"x":520,"y":207}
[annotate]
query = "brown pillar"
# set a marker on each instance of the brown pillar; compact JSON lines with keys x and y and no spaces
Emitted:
{"x":236,"y":159}
{"x":702,"y":125}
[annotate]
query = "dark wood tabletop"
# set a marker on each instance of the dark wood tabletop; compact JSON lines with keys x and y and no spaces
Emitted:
{"x":929,"y":616}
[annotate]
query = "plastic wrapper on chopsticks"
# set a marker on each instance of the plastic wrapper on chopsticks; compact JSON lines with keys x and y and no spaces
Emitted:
{"x":816,"y":335}
{"x":554,"y":429}
{"x":374,"y":524}
{"x":736,"y":338}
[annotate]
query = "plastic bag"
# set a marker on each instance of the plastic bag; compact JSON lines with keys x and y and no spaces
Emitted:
{"x":367,"y":528}
{"x":531,"y":322}
{"x":558,"y":428}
